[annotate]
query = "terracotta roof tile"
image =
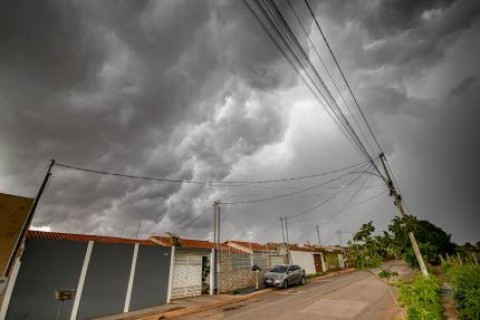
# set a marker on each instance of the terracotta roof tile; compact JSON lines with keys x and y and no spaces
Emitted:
{"x":33,"y":234}
{"x":256,"y":247}
{"x":191,"y":243}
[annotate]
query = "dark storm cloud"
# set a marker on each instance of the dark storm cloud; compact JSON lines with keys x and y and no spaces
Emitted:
{"x":138,"y":88}
{"x":196,"y":90}
{"x":415,"y":71}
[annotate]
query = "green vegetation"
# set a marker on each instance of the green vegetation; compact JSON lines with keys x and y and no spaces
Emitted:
{"x":368,"y":251}
{"x":465,"y":280}
{"x":387,"y":274}
{"x":421,"y":297}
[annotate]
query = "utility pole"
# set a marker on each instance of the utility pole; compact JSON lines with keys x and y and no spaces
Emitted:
{"x":286,"y":232}
{"x":216,"y":240}
{"x":26,"y":225}
{"x":318,"y":234}
{"x":399,"y":204}
{"x":283,"y":231}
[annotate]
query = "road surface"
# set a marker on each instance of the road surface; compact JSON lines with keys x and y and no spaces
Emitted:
{"x":355,"y":295}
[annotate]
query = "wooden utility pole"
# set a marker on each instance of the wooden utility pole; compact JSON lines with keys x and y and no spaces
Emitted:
{"x":399,"y":204}
{"x":26,"y":225}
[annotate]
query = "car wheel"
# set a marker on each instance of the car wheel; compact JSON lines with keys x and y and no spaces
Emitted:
{"x":285,"y":284}
{"x":303,"y":281}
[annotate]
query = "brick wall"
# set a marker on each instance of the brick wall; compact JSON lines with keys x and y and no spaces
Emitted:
{"x":236,"y":272}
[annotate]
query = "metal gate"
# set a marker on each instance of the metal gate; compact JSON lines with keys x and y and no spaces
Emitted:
{"x":318,"y":262}
{"x":187,"y":276}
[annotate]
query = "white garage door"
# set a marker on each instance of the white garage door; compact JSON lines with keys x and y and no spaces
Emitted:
{"x":187,"y":276}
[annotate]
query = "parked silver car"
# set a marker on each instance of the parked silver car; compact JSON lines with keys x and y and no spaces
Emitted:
{"x":284,"y":275}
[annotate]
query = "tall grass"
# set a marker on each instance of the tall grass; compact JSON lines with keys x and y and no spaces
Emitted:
{"x":421,"y":297}
{"x":465,"y":280}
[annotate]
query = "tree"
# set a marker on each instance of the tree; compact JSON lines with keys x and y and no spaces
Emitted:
{"x":431,"y":239}
{"x":369,"y":251}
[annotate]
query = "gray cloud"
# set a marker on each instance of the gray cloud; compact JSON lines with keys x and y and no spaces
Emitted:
{"x":196,"y":90}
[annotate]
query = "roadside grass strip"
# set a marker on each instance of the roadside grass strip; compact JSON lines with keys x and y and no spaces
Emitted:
{"x":465,"y":280}
{"x":422,"y":298}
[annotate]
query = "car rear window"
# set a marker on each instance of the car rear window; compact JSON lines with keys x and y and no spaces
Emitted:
{"x":279,"y":269}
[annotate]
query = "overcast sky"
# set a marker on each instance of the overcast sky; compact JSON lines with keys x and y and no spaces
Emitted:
{"x":196,"y":90}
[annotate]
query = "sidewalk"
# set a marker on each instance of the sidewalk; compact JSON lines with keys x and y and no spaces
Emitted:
{"x":187,"y":306}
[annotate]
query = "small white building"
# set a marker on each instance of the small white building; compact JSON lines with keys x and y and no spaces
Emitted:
{"x":312,"y":261}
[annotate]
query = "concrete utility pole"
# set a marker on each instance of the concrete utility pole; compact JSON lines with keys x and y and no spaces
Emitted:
{"x":288,"y":244}
{"x":283,"y":231}
{"x":318,"y":234}
{"x":216,"y":240}
{"x":26,"y":225}
{"x":399,"y":204}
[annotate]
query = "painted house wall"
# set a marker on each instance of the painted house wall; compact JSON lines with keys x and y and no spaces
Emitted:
{"x":47,"y":265}
{"x":305,"y":260}
{"x":51,"y":264}
{"x":106,"y":283}
{"x":150,"y":284}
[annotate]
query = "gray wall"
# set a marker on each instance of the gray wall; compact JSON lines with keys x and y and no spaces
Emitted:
{"x":47,"y":265}
{"x":150,"y":284}
{"x":106,"y":282}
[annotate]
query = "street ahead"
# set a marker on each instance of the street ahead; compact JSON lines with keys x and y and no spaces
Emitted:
{"x":355,"y":295}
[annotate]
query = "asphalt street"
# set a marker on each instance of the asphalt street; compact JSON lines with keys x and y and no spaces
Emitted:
{"x":355,"y":295}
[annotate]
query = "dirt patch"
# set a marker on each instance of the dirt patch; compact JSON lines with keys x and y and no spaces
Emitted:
{"x":449,"y":306}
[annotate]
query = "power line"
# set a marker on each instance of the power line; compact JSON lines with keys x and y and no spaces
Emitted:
{"x":206,"y":183}
{"x":326,"y":70}
{"x":270,"y":12}
{"x":291,"y":193}
{"x":343,"y":75}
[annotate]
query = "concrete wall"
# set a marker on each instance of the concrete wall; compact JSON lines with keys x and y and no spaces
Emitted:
{"x":47,"y":265}
{"x":150,"y":285}
{"x":305,"y":260}
{"x":106,"y":283}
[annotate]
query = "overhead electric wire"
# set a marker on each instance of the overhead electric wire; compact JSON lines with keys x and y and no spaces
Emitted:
{"x":275,"y":18}
{"x":289,"y":194}
{"x":323,"y":202}
{"x":327,"y":71}
{"x":292,"y":59}
{"x":209,"y":183}
{"x":343,"y":75}
{"x":352,"y":197}
{"x":191,"y":222}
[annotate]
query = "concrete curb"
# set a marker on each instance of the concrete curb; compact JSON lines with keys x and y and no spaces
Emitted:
{"x":187,"y":311}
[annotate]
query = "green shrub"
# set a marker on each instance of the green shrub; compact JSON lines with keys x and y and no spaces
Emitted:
{"x":421,"y":297}
{"x":386,"y":274}
{"x":465,"y":281}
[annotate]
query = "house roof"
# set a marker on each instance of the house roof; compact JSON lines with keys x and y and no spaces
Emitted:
{"x":253,"y":246}
{"x":187,"y":243}
{"x":191,"y":243}
{"x":33,"y":234}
